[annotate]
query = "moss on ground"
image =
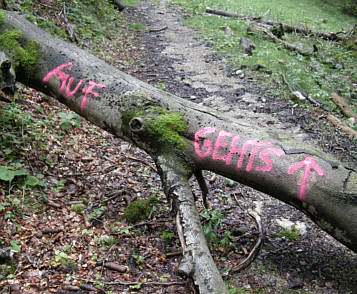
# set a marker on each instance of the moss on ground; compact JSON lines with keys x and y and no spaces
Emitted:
{"x":139,"y":210}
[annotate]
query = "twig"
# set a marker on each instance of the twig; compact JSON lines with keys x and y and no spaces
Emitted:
{"x":50,"y":202}
{"x":172,"y":254}
{"x":258,"y":245}
{"x":287,"y":45}
{"x":203,"y":186}
{"x":142,"y":161}
{"x":165,"y":284}
{"x":155,"y":30}
{"x":71,"y":33}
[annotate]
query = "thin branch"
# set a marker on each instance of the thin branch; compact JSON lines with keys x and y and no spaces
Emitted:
{"x":164,"y":284}
{"x":258,"y":245}
{"x":203,"y":186}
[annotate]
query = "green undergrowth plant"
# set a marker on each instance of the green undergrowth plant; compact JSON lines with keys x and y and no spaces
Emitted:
{"x":291,"y":234}
{"x":331,"y":69}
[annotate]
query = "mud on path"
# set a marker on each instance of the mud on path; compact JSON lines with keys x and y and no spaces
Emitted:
{"x":177,"y":60}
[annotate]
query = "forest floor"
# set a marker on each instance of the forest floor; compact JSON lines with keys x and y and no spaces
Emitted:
{"x":63,"y":232}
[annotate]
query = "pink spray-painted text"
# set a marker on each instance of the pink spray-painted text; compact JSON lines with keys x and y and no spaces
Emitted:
{"x":66,"y":86}
{"x":228,"y":141}
{"x":225,"y":147}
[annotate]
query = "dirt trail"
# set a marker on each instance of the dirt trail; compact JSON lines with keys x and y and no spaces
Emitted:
{"x":178,"y":60}
{"x":203,"y":70}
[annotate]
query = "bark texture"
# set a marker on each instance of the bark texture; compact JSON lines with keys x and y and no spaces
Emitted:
{"x":197,"y":137}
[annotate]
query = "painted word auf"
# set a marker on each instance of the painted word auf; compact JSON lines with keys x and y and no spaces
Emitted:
{"x":209,"y":148}
{"x":227,"y":143}
{"x":309,"y":164}
{"x":66,"y":86}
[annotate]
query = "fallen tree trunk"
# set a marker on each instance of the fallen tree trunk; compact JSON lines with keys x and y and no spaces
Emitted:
{"x":333,"y":36}
{"x":184,"y":138}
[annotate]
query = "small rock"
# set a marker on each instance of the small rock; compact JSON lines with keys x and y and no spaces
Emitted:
{"x":227,"y":30}
{"x":298,"y":95}
{"x":295,"y":283}
{"x":351,"y":121}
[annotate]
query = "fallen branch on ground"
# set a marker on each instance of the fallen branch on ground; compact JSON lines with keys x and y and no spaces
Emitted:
{"x":258,"y":245}
{"x":333,"y":36}
{"x":342,"y":126}
{"x":289,"y":46}
{"x":342,"y":104}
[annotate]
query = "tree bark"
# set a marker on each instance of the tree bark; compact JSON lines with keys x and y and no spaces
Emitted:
{"x":184,"y":137}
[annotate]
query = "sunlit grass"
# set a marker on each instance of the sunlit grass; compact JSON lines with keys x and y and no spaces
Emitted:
{"x":332,"y":69}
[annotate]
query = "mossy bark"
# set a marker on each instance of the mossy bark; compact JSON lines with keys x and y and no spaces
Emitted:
{"x":284,"y":168}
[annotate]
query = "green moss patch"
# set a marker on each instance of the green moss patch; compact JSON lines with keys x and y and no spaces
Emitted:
{"x":165,"y":127}
{"x":24,"y":58}
{"x":168,"y":127}
{"x":139,"y":210}
{"x":2,"y":17}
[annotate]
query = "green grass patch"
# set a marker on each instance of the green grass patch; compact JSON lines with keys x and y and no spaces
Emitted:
{"x":332,"y":69}
{"x":132,"y":3}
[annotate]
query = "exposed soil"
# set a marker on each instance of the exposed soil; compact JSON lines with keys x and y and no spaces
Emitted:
{"x":103,"y":169}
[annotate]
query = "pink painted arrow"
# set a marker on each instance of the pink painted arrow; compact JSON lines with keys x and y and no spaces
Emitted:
{"x":309,"y":163}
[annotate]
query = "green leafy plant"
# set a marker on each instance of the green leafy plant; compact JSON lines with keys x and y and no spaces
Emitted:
{"x":213,"y":220}
{"x":14,"y":246}
{"x":23,"y":179}
{"x":160,"y":86}
{"x":68,"y":120}
{"x":108,"y":240}
{"x":167,"y":236}
{"x":96,"y":213}
{"x":293,"y":234}
{"x":138,"y":258}
{"x":62,"y":258}
{"x":78,"y":207}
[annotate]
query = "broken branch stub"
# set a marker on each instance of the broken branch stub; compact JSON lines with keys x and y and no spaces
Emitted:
{"x":289,"y":170}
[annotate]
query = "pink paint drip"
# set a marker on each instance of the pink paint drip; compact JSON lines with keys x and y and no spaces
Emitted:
{"x":309,"y":164}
